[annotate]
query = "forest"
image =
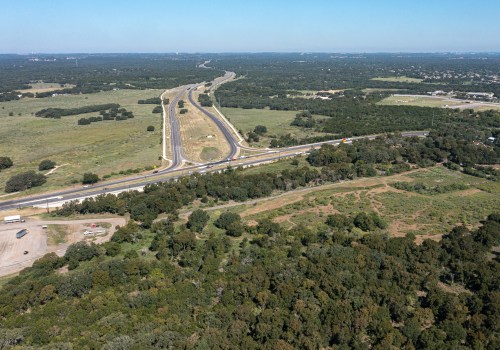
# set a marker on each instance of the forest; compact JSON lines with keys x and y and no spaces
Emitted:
{"x":281,"y":289}
{"x":92,"y":73}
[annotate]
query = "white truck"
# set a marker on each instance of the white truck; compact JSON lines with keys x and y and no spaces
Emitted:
{"x":12,"y":219}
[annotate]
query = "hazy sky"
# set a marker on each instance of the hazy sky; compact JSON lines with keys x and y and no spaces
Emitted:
{"x":62,"y":26}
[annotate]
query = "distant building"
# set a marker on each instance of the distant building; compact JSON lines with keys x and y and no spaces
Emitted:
{"x":481,"y":95}
{"x":437,"y":93}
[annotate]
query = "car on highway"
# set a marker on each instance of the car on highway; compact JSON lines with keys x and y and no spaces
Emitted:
{"x":155,"y":171}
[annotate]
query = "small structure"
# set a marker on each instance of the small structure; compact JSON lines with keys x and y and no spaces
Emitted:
{"x":491,"y":139}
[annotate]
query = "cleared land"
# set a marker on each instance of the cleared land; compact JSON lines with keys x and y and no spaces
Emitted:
{"x":201,"y":139}
{"x":435,"y":101}
{"x":277,"y":123}
{"x":425,"y":215}
{"x":45,"y":87}
{"x":401,"y":79}
{"x":56,"y":238}
{"x":103,"y":147}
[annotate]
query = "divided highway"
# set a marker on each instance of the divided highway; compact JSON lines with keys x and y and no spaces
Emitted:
{"x":171,"y":174}
{"x":174,"y":170}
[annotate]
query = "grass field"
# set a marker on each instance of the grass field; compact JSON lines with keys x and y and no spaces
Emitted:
{"x":430,"y":101}
{"x":402,"y":79}
{"x":406,"y":212}
{"x":277,"y":122}
{"x":103,"y":147}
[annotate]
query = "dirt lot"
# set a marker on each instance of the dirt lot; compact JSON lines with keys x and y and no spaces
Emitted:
{"x":36,"y":242}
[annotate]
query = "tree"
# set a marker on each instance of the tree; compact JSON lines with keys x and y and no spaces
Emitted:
{"x":5,"y":162}
{"x":197,"y":220}
{"x":90,"y":178}
{"x":226,"y":219}
{"x":157,"y":109}
{"x":46,"y":164}
{"x":260,"y":129}
{"x":150,"y":128}
{"x":24,"y":181}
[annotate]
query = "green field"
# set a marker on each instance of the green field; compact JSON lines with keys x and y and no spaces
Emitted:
{"x":102,"y":147}
{"x":402,"y":79}
{"x":405,"y":212}
{"x":277,"y":122}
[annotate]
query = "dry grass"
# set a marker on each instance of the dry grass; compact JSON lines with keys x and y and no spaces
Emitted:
{"x":202,"y":140}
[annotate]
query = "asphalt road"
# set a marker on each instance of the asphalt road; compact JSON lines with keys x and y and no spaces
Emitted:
{"x":175,"y":131}
{"x":171,"y":174}
{"x":228,"y":135}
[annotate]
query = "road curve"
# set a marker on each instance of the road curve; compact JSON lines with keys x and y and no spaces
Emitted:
{"x":228,"y":135}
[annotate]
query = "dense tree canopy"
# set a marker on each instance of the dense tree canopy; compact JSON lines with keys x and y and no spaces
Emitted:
{"x":24,"y":181}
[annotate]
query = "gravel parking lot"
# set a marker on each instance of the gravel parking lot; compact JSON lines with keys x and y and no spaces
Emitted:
{"x":12,"y":257}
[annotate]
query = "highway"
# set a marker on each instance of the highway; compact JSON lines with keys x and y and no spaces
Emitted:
{"x":175,"y":131}
{"x":140,"y":181}
{"x":175,"y":169}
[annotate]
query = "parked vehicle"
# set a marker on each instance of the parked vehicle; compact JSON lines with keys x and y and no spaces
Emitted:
{"x":22,"y":233}
{"x":12,"y":219}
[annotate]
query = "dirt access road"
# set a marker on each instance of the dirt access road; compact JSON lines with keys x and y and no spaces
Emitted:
{"x":37,"y":243}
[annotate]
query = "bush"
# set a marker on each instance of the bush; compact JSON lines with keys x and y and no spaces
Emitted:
{"x":90,"y":178}
{"x":183,"y":111}
{"x":46,"y":165}
{"x":226,"y":219}
{"x":5,"y":162}
{"x":260,"y":129}
{"x":150,"y":128}
{"x":158,"y":109}
{"x":24,"y":181}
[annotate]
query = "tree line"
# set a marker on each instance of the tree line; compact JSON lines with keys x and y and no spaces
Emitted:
{"x":62,"y":112}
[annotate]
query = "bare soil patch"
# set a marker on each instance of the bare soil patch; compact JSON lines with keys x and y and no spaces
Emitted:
{"x":40,"y":241}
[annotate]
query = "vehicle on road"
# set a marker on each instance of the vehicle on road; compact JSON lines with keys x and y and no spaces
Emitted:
{"x":155,"y":171}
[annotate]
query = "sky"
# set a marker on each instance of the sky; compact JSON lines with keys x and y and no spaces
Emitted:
{"x":102,"y":26}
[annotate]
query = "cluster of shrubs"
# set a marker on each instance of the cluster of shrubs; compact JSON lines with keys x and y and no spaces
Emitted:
{"x":57,"y":113}
{"x":204,"y":100}
{"x":113,"y":114}
{"x":26,"y":180}
{"x":363,"y":221}
{"x":152,"y":101}
{"x":422,"y":188}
